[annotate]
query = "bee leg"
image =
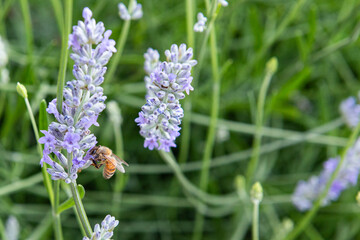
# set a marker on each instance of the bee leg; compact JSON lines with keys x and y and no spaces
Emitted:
{"x":95,"y":164}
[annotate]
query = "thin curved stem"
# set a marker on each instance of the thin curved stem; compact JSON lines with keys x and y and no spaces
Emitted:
{"x":255,"y":222}
{"x":210,"y":140}
{"x":192,"y":189}
{"x":121,"y":43}
{"x":259,"y":125}
{"x":80,"y":210}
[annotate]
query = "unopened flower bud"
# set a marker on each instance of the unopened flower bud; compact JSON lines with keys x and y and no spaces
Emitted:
{"x":21,"y":89}
{"x":272,"y":65}
{"x":256,"y":193}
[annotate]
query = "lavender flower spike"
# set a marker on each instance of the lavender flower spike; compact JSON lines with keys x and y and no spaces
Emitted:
{"x":83,"y":101}
{"x":135,"y":11}
{"x":161,"y":116}
{"x":200,"y":24}
{"x":307,"y":192}
{"x":104,"y":232}
{"x":350,"y":111}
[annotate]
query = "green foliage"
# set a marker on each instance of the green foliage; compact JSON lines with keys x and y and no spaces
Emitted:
{"x":317,"y":47}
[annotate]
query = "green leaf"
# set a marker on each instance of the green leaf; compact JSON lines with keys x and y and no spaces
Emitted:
{"x":43,"y":117}
{"x":70,"y":201}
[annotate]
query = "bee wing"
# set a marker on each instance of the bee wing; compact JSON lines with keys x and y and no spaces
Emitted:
{"x":119,"y":163}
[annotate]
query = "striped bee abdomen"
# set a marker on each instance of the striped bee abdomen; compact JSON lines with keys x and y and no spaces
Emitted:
{"x":109,"y":168}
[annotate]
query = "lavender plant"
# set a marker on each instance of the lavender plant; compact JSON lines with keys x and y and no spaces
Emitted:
{"x":307,"y":192}
{"x":69,"y":137}
{"x":161,"y":116}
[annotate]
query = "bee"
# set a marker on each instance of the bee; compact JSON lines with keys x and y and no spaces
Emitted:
{"x":104,"y":156}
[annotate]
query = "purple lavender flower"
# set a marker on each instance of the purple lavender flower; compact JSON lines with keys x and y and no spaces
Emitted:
{"x":161,"y":116}
{"x":350,"y":111}
{"x":200,"y":25}
{"x":104,"y":232}
{"x":83,"y":100}
{"x":307,"y":192}
{"x":135,"y":11}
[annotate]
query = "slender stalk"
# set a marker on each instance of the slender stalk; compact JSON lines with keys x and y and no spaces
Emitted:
{"x":4,"y":9}
{"x":255,"y":222}
{"x":28,"y":29}
{"x":210,"y":140}
{"x":116,"y":119}
{"x":306,"y":220}
{"x":192,"y":189}
{"x":58,"y":11}
{"x":53,"y":195}
{"x":185,"y":132}
{"x":85,"y":224}
{"x":56,"y":216}
{"x":81,"y":210}
{"x":259,"y":126}
{"x":64,"y":52}
{"x":121,"y":43}
{"x":46,"y":178}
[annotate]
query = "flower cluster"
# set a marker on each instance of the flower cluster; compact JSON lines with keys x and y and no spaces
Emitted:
{"x":104,"y":232}
{"x":4,"y":73}
{"x":350,"y":111}
{"x":307,"y":192}
{"x":83,"y":101}
{"x":161,"y":116}
{"x":135,"y":11}
{"x":200,"y":24}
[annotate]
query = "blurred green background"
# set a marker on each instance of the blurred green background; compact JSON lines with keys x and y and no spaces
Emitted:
{"x":316,"y":43}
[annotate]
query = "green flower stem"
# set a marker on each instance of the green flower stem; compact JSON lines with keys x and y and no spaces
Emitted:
{"x":230,"y":199}
{"x":204,"y":41}
{"x":58,"y":11}
{"x":4,"y":9}
{"x":56,"y":216}
{"x":28,"y":30}
{"x":119,"y":143}
{"x":259,"y":126}
{"x":85,"y":224}
{"x":53,"y":195}
{"x":120,"y":47}
{"x":81,"y":210}
{"x":255,"y":221}
{"x":46,"y":178}
{"x":210,"y":140}
{"x":64,"y":52}
{"x":306,"y":220}
{"x":185,"y":132}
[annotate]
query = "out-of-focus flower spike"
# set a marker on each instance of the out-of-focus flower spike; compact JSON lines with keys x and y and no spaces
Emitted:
{"x":105,"y":232}
{"x":200,"y":25}
{"x":135,"y":11}
{"x":307,"y":192}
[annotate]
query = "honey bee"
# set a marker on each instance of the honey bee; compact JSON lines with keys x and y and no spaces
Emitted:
{"x":104,"y":156}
